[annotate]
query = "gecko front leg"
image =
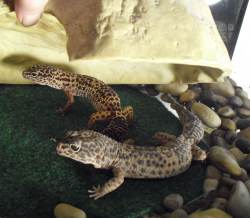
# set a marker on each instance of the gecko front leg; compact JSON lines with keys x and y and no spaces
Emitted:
{"x":67,"y":106}
{"x":109,"y":186}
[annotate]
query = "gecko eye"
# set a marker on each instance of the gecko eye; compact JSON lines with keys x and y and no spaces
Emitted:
{"x":75,"y":148}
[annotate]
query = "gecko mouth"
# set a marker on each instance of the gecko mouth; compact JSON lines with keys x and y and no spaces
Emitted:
{"x":59,"y":149}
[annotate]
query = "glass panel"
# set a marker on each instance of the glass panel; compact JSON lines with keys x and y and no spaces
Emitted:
{"x":228,"y":15}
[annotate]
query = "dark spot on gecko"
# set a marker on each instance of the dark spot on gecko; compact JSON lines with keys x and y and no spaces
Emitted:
{"x":140,"y":162}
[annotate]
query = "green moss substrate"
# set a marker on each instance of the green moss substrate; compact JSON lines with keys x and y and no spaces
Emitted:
{"x":34,"y":178}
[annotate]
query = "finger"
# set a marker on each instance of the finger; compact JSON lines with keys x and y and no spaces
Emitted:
{"x":29,"y":11}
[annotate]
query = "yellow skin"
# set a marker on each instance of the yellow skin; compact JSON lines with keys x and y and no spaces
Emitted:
{"x":132,"y":161}
{"x":103,"y":98}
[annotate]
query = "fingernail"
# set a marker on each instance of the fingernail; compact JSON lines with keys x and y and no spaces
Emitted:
{"x":30,"y":19}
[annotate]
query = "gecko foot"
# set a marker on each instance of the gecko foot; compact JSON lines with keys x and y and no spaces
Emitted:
{"x":96,"y":192}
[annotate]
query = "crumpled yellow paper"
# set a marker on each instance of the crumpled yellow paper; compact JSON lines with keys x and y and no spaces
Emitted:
{"x":117,"y":41}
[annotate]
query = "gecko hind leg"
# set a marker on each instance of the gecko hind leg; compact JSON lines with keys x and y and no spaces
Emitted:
{"x":198,"y":154}
{"x":109,"y":186}
{"x":70,"y":100}
{"x":128,"y":112}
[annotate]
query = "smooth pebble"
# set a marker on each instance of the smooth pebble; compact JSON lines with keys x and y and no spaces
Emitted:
{"x":207,"y":115}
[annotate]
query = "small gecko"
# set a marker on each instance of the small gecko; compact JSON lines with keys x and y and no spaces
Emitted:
{"x":103,"y":98}
{"x":131,"y":161}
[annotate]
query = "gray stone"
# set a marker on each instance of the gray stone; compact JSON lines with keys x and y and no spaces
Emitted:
{"x":239,"y":201}
{"x":243,"y":123}
{"x":223,"y":192}
{"x":244,"y":176}
{"x":241,"y":93}
{"x":210,"y":213}
{"x":212,"y":172}
{"x":224,"y":160}
{"x":173,"y":202}
{"x":226,"y":111}
{"x":228,"y":181}
{"x":243,"y":145}
{"x":247,"y":184}
{"x":210,"y":185}
{"x":211,"y":99}
{"x":245,"y":164}
{"x":172,"y":88}
{"x":218,"y":132}
{"x":206,"y":114}
{"x":225,"y":88}
{"x":219,"y":203}
{"x":235,"y":101}
{"x":67,"y":211}
{"x":179,"y":213}
{"x":201,"y":202}
{"x":230,"y":136}
{"x":219,"y":141}
{"x":238,"y":154}
{"x":228,"y":124}
{"x":245,"y":133}
{"x":243,"y":112}
{"x":246,"y":103}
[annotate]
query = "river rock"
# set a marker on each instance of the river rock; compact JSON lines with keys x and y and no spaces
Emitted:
{"x":244,"y":176}
{"x":245,"y":164}
{"x":243,"y":123}
{"x":247,"y":184}
{"x":188,"y":96}
{"x":210,"y":185}
{"x":235,"y":101}
{"x":207,"y":115}
{"x":245,"y":133}
{"x":172,"y":88}
{"x":228,"y":124}
{"x":243,"y":112}
{"x":226,"y":111}
{"x":243,"y":145}
{"x":63,"y":210}
{"x":223,"y":88}
{"x":239,"y":201}
{"x":223,"y":192}
{"x":246,"y":103}
{"x":218,"y":132}
{"x":212,"y":172}
{"x":219,"y":203}
{"x":224,"y":160}
{"x":211,"y":99}
{"x":228,"y":181}
{"x":173,"y":202}
{"x":179,"y":213}
{"x":210,"y":213}
{"x":219,"y":141}
{"x":238,"y":154}
{"x":230,"y":136}
{"x":202,"y":202}
{"x":241,"y":93}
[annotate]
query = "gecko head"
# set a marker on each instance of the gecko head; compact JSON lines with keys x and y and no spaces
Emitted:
{"x":85,"y":146}
{"x":39,"y":73}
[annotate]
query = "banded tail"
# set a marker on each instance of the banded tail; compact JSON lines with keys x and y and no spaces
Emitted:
{"x":193,"y":130}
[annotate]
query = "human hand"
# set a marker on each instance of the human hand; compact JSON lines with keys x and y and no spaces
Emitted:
{"x":28,"y":12}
